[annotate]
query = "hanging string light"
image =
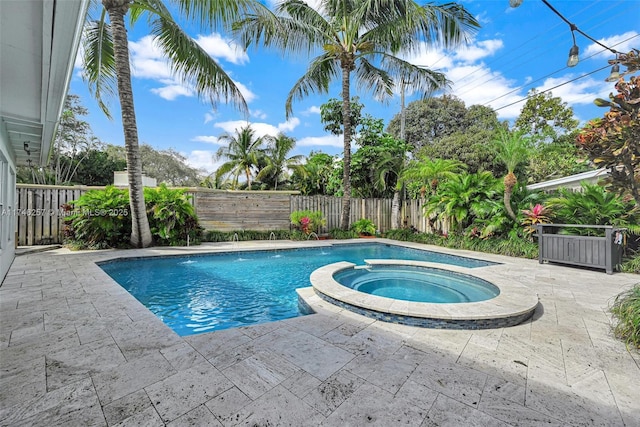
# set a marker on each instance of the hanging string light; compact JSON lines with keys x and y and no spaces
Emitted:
{"x":574,"y":52}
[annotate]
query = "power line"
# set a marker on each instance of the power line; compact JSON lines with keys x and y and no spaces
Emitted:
{"x":554,"y":87}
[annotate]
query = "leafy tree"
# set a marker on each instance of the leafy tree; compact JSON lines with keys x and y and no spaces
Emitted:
{"x":362,"y":38}
{"x":614,"y":141}
{"x":98,"y":168}
{"x":331,"y":115}
{"x":545,"y":118}
{"x":73,"y":143}
{"x":427,"y":121}
{"x":106,"y":66}
{"x":242,"y":153}
{"x":555,"y":160}
{"x":319,"y":175}
{"x":512,"y":149}
{"x":166,"y":166}
{"x":277,"y":160}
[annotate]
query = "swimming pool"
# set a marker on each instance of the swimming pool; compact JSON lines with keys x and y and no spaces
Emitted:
{"x":202,"y":293}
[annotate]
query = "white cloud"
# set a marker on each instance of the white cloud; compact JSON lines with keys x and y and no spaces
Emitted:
{"x":246,"y":93}
{"x":289,"y":125}
{"x":221,"y":48}
{"x":259,"y":114}
{"x":148,"y":62}
{"x":314,"y":109}
{"x":622,"y":43}
{"x":207,"y":139}
{"x":478,"y":50}
{"x":209,"y":117}
{"x":202,"y":159}
{"x":172,"y":91}
{"x":323,"y":141}
{"x":260,"y":129}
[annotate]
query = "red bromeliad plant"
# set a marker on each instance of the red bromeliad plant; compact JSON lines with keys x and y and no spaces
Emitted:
{"x":305,"y":225}
{"x":537,"y":214}
{"x":614,"y":141}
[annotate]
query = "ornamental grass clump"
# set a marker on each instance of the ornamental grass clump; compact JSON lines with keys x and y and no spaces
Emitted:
{"x":626,"y":309}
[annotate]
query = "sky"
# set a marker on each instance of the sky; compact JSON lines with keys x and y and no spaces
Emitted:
{"x":515,"y":50}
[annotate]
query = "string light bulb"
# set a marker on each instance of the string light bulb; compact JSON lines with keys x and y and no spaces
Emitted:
{"x":615,"y":74}
{"x":573,"y":56}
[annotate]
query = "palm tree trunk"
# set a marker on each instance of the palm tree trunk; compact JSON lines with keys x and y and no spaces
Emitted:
{"x":510,"y":182}
{"x":395,"y":210}
{"x":140,"y":232}
{"x":346,"y":122}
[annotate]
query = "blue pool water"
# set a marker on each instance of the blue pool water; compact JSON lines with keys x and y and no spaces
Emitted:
{"x":419,"y":284}
{"x":203,"y":293}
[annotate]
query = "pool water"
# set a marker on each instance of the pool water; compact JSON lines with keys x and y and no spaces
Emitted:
{"x":419,"y":284}
{"x":203,"y":293}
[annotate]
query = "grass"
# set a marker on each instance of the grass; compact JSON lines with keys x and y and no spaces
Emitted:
{"x":626,"y":309}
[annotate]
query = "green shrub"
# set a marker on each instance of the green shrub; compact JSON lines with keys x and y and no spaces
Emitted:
{"x":172,"y":218}
{"x":338,"y":233}
{"x":364,"y":226}
{"x":308,"y":221}
{"x":99,"y":219}
{"x":632,"y":264}
{"x":626,"y":309}
{"x":245,"y":235}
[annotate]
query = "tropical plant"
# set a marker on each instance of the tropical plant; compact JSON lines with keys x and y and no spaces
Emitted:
{"x":308,"y":221}
{"x":594,"y":205}
{"x":99,"y":219}
{"x":318,"y":175}
{"x":172,"y":217}
{"x":614,"y":141}
{"x":364,"y":226}
{"x":277,"y":160}
{"x":428,"y":173}
{"x":361,"y":37}
{"x":106,"y":66}
{"x":242,"y":153}
{"x":535,"y":215}
{"x":461,"y":198}
{"x":626,"y":309}
{"x":512,"y":149}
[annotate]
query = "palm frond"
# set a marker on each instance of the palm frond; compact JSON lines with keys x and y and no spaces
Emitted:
{"x":316,"y":80}
{"x":99,"y":61}
{"x":191,"y":62}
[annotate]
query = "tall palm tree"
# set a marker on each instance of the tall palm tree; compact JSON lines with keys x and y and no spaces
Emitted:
{"x":361,"y":37}
{"x":243,"y":152}
{"x":277,"y":161}
{"x":512,"y":149}
{"x":106,"y":65}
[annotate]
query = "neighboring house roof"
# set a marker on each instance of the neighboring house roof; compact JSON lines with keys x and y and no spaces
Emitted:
{"x":572,"y":181}
{"x":38,"y":45}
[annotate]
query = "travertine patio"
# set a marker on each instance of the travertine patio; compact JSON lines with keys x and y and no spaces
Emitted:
{"x":76,"y":349}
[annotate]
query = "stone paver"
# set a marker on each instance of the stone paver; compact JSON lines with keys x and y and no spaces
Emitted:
{"x":76,"y":349}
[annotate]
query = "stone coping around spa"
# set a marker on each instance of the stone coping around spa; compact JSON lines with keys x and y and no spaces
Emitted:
{"x":514,"y":299}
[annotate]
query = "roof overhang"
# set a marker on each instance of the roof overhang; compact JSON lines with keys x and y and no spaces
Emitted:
{"x":38,"y":45}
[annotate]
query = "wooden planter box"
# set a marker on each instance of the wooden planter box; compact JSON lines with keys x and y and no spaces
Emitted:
{"x":585,"y":251}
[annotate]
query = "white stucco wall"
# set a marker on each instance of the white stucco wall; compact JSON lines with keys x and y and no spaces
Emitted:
{"x":7,"y":203}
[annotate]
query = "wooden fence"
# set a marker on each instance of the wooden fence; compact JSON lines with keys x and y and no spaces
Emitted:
{"x":40,"y":218}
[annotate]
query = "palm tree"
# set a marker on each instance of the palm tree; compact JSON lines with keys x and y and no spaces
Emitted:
{"x":512,"y":149}
{"x":432,"y":171}
{"x":243,"y":152}
{"x":361,"y":37}
{"x":462,"y":198}
{"x":106,"y":64}
{"x":277,"y":160}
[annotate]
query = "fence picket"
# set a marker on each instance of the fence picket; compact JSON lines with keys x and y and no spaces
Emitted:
{"x":40,"y":218}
